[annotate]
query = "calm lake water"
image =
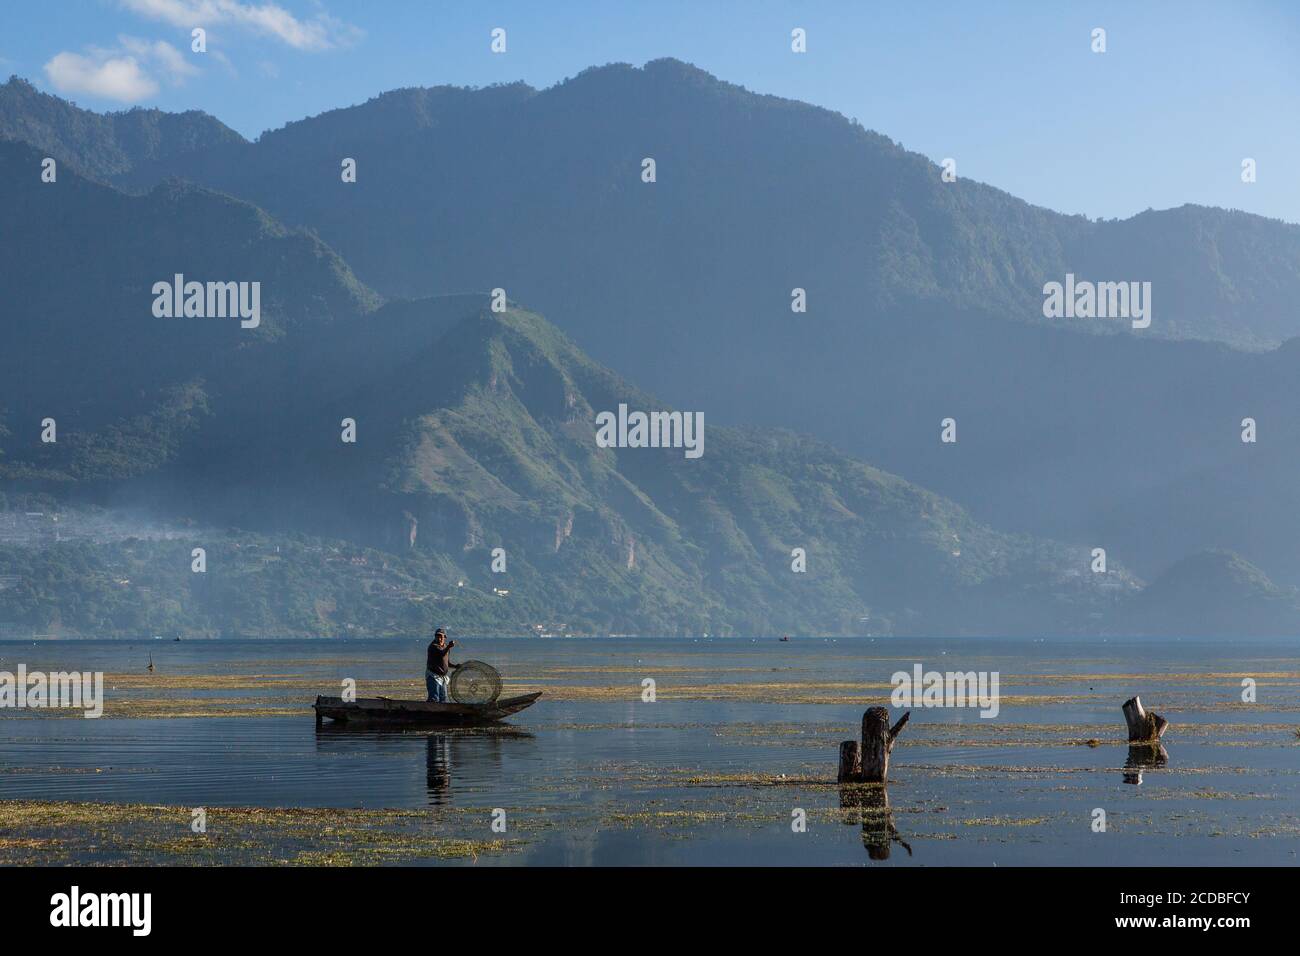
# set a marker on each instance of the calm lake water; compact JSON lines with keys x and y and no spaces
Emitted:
{"x":741,"y":740}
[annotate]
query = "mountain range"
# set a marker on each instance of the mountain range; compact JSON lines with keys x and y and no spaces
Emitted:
{"x":475,"y":426}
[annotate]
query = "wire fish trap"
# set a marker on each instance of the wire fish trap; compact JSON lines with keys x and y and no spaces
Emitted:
{"x":474,"y":682}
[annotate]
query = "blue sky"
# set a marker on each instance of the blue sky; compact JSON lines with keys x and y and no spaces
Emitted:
{"x":1012,"y":90}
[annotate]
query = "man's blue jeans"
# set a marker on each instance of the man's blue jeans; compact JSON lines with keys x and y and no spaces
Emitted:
{"x":437,"y":686}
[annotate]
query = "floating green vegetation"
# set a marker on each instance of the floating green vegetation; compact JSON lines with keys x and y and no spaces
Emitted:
{"x":1003,"y":821}
{"x":51,"y":833}
{"x":714,"y":779}
{"x":665,"y":818}
{"x":288,"y":687}
{"x":1208,"y":793}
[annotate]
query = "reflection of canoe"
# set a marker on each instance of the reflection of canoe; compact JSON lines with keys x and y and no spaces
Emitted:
{"x":428,"y":713}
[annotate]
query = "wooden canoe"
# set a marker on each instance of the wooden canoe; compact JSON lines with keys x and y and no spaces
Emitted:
{"x":419,"y":712}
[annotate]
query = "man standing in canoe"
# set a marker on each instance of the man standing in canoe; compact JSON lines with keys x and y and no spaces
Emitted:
{"x":437,"y":672}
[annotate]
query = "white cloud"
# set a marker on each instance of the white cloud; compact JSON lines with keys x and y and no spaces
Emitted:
{"x":108,"y":77}
{"x":321,"y":32}
{"x":224,"y":61}
{"x":122,"y":73}
{"x":163,"y":55}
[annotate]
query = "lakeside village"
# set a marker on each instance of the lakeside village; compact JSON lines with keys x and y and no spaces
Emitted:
{"x":372,"y":572}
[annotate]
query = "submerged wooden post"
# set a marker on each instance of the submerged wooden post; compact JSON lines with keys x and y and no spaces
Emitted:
{"x":877,"y":742}
{"x":850,"y":762}
{"x":1143,"y":727}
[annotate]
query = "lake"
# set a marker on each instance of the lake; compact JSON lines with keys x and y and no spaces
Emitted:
{"x":732,"y":762}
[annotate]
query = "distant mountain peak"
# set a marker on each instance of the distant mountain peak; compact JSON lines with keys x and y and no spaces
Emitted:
{"x":1213,"y":592}
{"x":104,"y":145}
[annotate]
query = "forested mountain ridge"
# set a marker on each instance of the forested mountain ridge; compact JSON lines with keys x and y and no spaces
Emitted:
{"x":475,"y":428}
{"x":103,"y":145}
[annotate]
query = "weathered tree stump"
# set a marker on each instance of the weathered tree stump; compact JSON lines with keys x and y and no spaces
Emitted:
{"x":850,"y":762}
{"x":867,"y":761}
{"x":877,"y":743}
{"x":1142,"y":726}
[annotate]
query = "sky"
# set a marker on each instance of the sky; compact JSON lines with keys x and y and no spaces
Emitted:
{"x":1012,"y":91}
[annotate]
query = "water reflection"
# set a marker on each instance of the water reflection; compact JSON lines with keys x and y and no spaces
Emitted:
{"x":437,"y":768}
{"x":869,"y":805}
{"x":455,"y":761}
{"x":1143,"y":757}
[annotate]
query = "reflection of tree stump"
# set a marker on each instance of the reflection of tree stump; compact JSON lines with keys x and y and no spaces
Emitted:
{"x":850,"y":800}
{"x":870,"y":805}
{"x":1142,"y":726}
{"x":1141,"y":757}
{"x":868,"y":761}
